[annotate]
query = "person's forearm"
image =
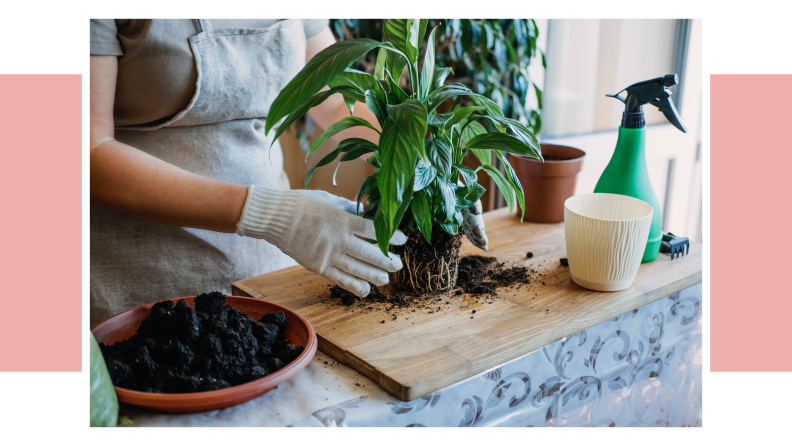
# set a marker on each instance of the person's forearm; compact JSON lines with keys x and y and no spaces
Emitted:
{"x":127,"y":180}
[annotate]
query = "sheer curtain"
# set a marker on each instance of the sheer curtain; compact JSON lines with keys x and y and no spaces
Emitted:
{"x":587,"y":59}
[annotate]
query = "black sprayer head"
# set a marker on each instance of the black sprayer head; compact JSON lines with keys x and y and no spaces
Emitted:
{"x":655,"y":92}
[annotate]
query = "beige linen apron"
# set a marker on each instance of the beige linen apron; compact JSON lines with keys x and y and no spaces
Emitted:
{"x":219,"y":135}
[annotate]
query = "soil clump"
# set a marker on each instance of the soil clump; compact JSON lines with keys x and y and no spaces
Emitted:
{"x":181,"y":349}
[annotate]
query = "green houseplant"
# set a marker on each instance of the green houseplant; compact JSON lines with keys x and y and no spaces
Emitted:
{"x":489,"y":56}
{"x":419,"y":183}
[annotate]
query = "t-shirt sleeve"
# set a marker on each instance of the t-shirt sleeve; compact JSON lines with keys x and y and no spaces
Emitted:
{"x":104,"y":38}
{"x":314,"y":26}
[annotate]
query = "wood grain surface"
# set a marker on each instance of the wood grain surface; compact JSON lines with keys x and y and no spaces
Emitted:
{"x":420,"y":352}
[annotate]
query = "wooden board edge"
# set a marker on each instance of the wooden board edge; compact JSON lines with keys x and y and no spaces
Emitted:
{"x":412,"y":391}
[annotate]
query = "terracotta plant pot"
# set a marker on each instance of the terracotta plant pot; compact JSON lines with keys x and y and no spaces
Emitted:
{"x":548,"y":184}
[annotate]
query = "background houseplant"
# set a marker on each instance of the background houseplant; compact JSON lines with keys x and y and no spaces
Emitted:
{"x":419,"y":183}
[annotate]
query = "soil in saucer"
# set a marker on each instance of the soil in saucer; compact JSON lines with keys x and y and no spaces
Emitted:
{"x":181,"y":349}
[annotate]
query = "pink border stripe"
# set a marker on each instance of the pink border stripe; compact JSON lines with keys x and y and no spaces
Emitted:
{"x":40,"y":194}
{"x":751,"y":181}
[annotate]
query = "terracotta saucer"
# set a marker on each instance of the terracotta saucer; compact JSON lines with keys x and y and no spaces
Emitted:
{"x":122,"y":326}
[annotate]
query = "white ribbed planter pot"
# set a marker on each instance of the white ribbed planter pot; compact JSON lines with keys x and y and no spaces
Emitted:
{"x":606,"y":235}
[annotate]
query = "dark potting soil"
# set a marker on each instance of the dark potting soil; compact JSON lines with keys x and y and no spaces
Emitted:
{"x":482,"y":275}
{"x":178,"y":349}
{"x":564,"y":262}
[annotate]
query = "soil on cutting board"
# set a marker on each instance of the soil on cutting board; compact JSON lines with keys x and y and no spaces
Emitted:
{"x":180,"y":349}
{"x":478,"y":282}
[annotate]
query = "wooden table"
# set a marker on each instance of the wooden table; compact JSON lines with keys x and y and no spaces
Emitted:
{"x":412,"y":356}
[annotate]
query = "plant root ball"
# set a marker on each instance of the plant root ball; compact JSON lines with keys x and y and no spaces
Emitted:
{"x":428,"y":268}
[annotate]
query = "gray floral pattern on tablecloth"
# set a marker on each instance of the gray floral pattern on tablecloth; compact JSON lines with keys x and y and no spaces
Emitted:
{"x":642,"y":368}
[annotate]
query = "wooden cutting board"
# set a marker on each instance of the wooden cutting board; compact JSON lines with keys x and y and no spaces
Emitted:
{"x":421,"y":352}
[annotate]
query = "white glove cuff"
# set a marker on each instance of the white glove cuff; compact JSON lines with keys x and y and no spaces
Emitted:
{"x":266,"y":214}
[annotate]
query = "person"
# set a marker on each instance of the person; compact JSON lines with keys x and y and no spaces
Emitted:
{"x":181,"y":167}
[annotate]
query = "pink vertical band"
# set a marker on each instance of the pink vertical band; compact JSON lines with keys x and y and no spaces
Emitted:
{"x":750,"y":215}
{"x":40,"y":226}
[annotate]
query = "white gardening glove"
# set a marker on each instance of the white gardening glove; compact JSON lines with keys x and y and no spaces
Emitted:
{"x":318,"y":230}
{"x":473,"y":225}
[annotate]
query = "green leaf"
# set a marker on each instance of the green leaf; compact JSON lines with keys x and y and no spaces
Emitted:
{"x":411,"y":117}
{"x":472,"y":192}
{"x":324,"y":161}
{"x":424,"y":175}
{"x":320,"y":70}
{"x":374,"y":160}
{"x":362,"y":190}
{"x":103,"y":401}
{"x":470,"y":131}
{"x":515,"y":182}
{"x":315,"y":100}
{"x":502,"y":184}
{"x":455,"y":86}
{"x":462,"y":113}
{"x":439,"y":77}
{"x":490,"y":106}
{"x":538,"y":96}
{"x":439,"y":152}
{"x":346,"y":123}
{"x":382,"y":62}
{"x":359,"y":80}
{"x":394,"y":89}
{"x":502,"y":142}
{"x":449,"y":199}
{"x":449,"y":226}
{"x":444,"y":95}
{"x":376,"y":102}
{"x":353,"y":154}
{"x":462,"y":202}
{"x":344,"y":146}
{"x":421,"y":31}
{"x":467,"y":173}
{"x":398,"y":32}
{"x":427,"y":72}
{"x":382,"y":231}
{"x":439,"y":120}
{"x":520,"y":131}
{"x":397,"y":156}
{"x":422,"y":214}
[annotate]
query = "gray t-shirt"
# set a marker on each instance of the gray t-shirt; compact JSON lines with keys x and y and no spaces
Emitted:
{"x":156,"y":69}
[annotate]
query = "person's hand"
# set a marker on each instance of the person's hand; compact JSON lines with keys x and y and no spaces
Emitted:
{"x":473,"y":226}
{"x":319,"y":230}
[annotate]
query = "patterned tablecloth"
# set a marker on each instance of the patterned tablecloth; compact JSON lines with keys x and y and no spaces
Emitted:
{"x":642,"y":368}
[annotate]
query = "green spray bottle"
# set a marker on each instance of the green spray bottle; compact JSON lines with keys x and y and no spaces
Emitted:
{"x":626,"y":173}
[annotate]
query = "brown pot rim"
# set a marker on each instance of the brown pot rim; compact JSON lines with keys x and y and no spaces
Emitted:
{"x":571,"y":160}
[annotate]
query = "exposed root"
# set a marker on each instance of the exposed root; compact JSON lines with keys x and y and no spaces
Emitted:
{"x":427,"y":268}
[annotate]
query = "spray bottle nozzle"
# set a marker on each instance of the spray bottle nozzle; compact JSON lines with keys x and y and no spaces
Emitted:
{"x":654,"y":92}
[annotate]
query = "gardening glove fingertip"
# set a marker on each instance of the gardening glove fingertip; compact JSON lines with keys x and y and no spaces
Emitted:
{"x":399,"y":238}
{"x":396,"y":262}
{"x":473,"y":226}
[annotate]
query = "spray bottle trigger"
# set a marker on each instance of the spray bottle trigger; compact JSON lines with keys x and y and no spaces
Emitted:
{"x":666,"y":106}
